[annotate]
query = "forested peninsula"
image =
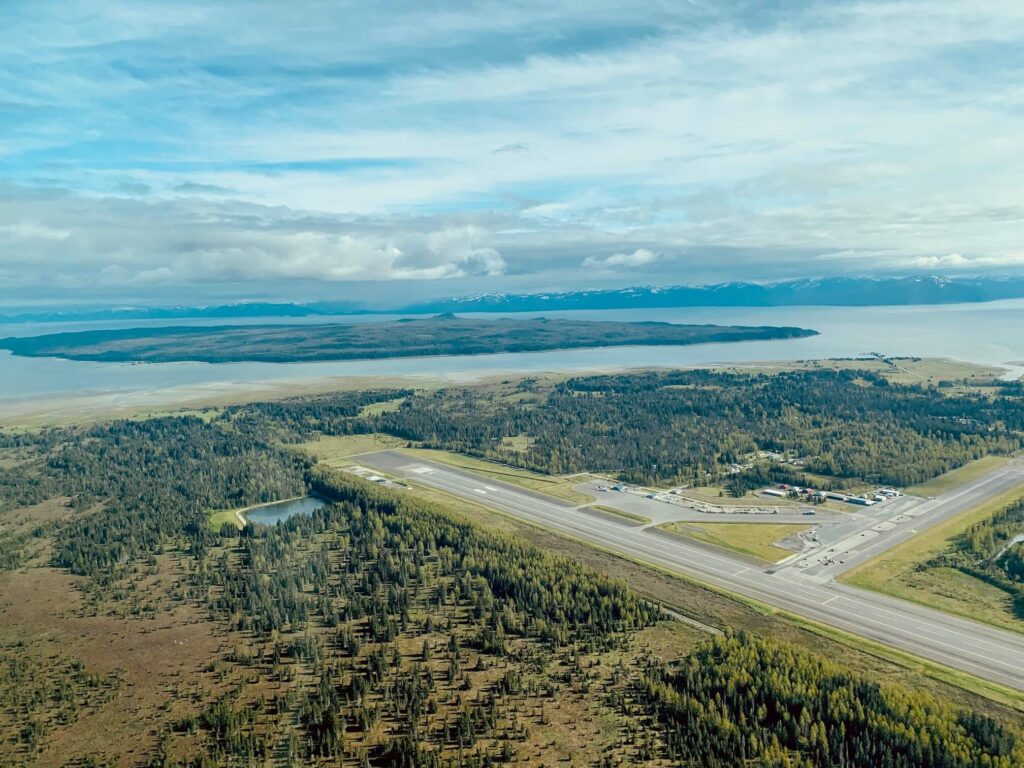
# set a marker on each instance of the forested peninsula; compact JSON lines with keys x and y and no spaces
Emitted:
{"x":439,"y":335}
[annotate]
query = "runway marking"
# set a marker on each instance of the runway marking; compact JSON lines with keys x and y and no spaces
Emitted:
{"x":864,"y":612}
{"x":481,"y":491}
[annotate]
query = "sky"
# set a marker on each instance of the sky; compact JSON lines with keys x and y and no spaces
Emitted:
{"x":197,"y":152}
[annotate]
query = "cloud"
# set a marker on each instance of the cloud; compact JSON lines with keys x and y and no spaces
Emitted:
{"x":194,"y":188}
{"x":133,"y":188}
{"x":514,"y":148}
{"x":957,"y":261}
{"x":118,"y":241}
{"x":28,"y":231}
{"x":641,"y":257}
{"x":500,"y":142}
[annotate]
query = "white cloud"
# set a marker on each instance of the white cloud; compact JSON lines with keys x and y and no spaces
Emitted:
{"x":27,"y":230}
{"x":641,"y":257}
{"x":112,"y":241}
{"x":957,"y":261}
{"x":492,"y":140}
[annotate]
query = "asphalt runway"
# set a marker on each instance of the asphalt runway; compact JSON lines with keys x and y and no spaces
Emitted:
{"x":985,"y":651}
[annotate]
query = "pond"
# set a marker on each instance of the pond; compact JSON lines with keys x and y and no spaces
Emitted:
{"x":269,"y":514}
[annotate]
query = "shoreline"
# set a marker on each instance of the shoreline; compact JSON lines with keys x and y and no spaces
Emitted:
{"x":240,"y":513}
{"x":791,"y":333}
{"x":58,"y":409}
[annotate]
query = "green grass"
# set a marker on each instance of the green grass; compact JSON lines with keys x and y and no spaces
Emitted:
{"x":386,"y":406}
{"x":926,"y":371}
{"x":338,"y":450}
{"x":621,"y":513}
{"x":897,"y":573}
{"x":960,"y":476}
{"x":560,"y":487}
{"x":221,"y":516}
{"x":485,"y":517}
{"x":957,"y":592}
{"x":517,"y":443}
{"x":752,"y":539}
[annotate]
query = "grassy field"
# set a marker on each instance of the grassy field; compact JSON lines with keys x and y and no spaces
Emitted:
{"x":386,"y":406}
{"x":154,"y":652}
{"x":927,"y":370}
{"x":221,"y":516}
{"x":22,"y":532}
{"x":958,"y":477}
{"x":956,"y":592}
{"x":752,"y":539}
{"x":622,"y":513}
{"x":934,"y":370}
{"x":560,"y":487}
{"x":519,"y":443}
{"x":896,"y":572}
{"x":338,"y":450}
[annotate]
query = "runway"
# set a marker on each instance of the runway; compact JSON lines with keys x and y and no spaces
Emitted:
{"x":896,"y":526}
{"x":981,"y":650}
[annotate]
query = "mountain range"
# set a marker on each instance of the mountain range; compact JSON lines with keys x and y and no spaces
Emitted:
{"x":833,"y":291}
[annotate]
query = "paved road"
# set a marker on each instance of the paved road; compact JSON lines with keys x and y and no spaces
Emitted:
{"x":984,"y":651}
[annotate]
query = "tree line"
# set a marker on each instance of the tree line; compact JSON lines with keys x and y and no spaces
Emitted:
{"x":741,"y":700}
{"x":692,"y":426}
{"x":991,"y":550}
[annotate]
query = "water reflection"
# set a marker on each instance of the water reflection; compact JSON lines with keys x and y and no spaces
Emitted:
{"x":270,"y":514}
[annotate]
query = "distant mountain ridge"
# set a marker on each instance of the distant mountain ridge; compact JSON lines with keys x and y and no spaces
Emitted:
{"x":835,"y":291}
{"x":832,"y":291}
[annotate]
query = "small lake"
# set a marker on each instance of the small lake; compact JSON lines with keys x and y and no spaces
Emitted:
{"x":270,"y":514}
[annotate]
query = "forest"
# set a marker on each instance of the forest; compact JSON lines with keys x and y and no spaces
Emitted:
{"x":991,"y":550}
{"x":692,"y":427}
{"x":740,"y":700}
{"x":385,"y":630}
{"x":682,"y":426}
{"x":440,"y":335}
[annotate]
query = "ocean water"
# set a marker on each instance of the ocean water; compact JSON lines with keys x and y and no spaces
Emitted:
{"x":989,"y":333}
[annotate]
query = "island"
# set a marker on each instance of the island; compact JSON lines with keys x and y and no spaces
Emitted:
{"x":444,"y":334}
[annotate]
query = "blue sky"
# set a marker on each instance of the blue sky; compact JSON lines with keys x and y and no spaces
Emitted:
{"x":200,"y":151}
